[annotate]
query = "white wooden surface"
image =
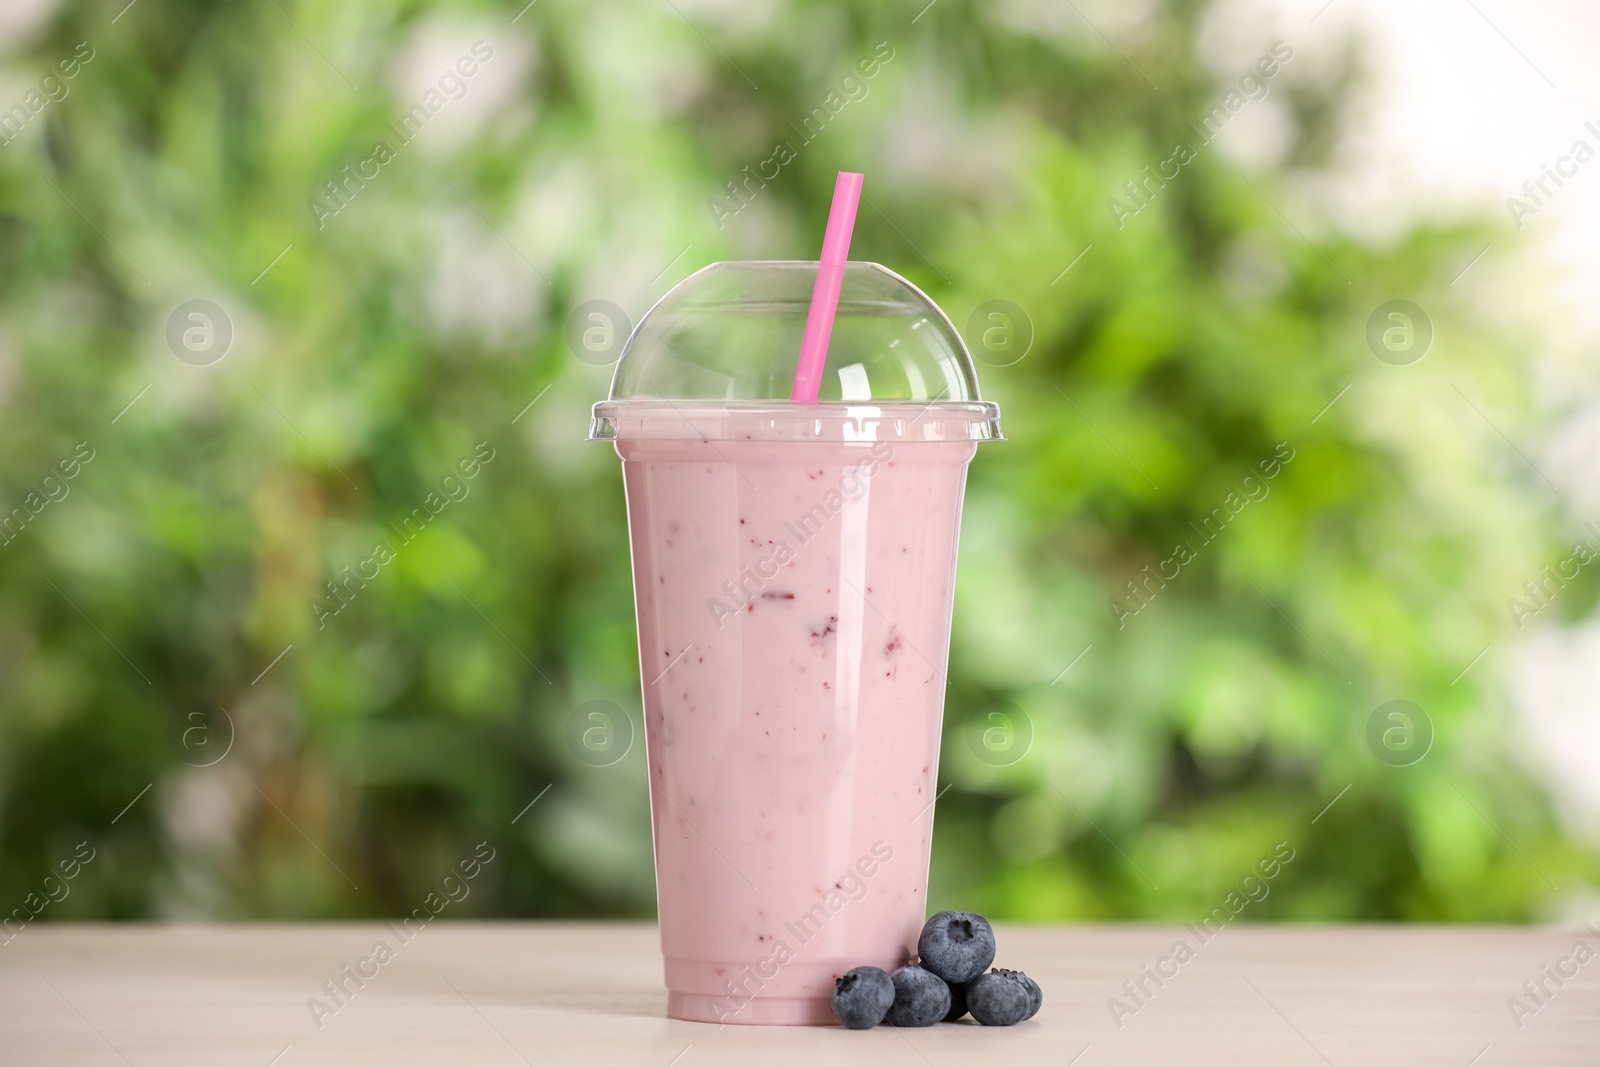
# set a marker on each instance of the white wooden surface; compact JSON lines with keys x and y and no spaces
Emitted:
{"x":586,"y":993}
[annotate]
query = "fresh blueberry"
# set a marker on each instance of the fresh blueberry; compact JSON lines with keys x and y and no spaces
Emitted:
{"x":958,"y":1002}
{"x":956,"y":945}
{"x":1035,"y":994}
{"x":997,"y":999}
{"x":861,"y":997}
{"x":920,"y":997}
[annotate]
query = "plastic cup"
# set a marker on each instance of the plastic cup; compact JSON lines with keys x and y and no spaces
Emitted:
{"x":793,"y":575}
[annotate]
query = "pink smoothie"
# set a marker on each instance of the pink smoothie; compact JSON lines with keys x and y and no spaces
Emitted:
{"x":794,"y":593}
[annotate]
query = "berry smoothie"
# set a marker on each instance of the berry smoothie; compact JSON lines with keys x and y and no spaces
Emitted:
{"x":793,"y":574}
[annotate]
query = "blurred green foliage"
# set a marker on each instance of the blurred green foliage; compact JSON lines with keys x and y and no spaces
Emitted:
{"x":163,"y":606}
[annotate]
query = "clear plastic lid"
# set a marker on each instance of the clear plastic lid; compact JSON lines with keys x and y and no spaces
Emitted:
{"x":719,"y":350}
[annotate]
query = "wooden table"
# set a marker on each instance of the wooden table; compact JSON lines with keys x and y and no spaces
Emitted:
{"x":591,"y":993}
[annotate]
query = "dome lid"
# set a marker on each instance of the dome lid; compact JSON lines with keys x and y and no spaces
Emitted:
{"x":728,"y":337}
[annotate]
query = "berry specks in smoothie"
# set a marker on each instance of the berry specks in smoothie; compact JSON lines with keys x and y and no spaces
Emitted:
{"x":777,"y":596}
{"x":894,"y":643}
{"x":821,"y":636}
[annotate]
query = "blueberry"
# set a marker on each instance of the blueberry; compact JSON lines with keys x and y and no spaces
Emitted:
{"x":956,"y":945}
{"x":920,"y":997}
{"x":1035,"y":994}
{"x":997,"y":999}
{"x":958,"y":1002}
{"x":862,"y":997}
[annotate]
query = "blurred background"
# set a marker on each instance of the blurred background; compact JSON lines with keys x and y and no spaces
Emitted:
{"x":271,"y":273}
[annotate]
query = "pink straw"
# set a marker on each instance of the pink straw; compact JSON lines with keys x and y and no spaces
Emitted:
{"x":825,"y":297}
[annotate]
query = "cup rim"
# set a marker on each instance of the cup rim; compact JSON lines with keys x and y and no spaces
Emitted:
{"x":770,"y":420}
